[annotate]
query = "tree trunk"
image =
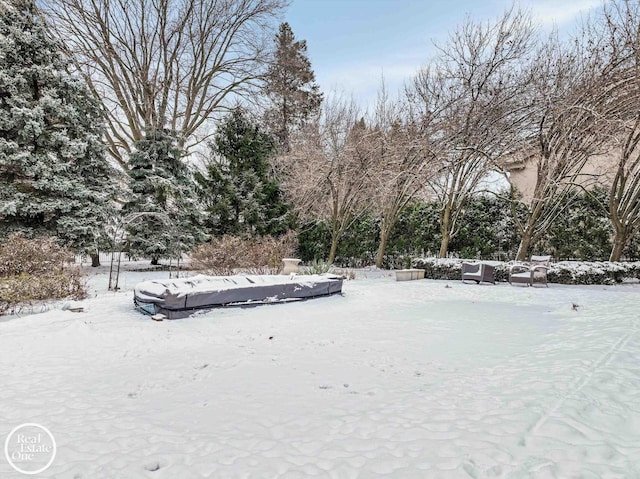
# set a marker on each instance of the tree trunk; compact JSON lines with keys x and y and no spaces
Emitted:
{"x":95,"y":259}
{"x":382,"y":247}
{"x":445,"y":219}
{"x":525,"y":243}
{"x":334,"y":248}
{"x":619,"y":242}
{"x":335,"y":238}
{"x":444,"y":244}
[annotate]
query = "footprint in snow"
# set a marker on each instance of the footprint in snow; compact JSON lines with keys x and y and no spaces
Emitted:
{"x":152,"y":466}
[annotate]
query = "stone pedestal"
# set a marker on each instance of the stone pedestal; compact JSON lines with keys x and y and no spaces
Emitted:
{"x":290,"y":265}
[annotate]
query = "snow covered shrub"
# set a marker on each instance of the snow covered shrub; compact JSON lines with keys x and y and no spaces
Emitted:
{"x":230,"y":254}
{"x":592,"y":272}
{"x":25,"y":290}
{"x":34,"y":270}
{"x":449,"y":269}
{"x":220,"y":256}
{"x":563,"y":272}
{"x":19,"y":255}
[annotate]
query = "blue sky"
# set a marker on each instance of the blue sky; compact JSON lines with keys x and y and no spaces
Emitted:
{"x":351,"y":43}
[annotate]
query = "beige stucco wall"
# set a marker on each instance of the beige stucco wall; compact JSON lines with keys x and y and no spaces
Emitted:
{"x":597,"y":171}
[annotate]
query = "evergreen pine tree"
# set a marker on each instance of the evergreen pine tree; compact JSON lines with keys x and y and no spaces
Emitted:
{"x":54,"y":176}
{"x":290,"y":86}
{"x":162,"y":188}
{"x":239,"y":192}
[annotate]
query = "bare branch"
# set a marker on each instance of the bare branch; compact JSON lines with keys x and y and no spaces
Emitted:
{"x":158,"y":63}
{"x":471,"y":102}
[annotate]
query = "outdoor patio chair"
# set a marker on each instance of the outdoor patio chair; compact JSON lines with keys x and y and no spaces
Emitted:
{"x":478,"y":272}
{"x":530,"y":274}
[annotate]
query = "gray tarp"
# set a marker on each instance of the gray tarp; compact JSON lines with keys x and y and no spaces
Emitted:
{"x":179,"y":298}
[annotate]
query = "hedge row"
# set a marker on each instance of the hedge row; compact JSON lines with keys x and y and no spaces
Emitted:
{"x":563,"y":272}
{"x":486,"y":231}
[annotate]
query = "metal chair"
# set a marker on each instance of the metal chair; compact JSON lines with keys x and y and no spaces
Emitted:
{"x":532,"y":273}
{"x":478,"y":272}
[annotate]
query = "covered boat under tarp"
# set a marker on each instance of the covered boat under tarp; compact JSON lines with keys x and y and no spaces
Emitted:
{"x":178,"y":298}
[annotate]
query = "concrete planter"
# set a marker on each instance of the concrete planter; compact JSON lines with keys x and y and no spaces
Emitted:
{"x":409,"y":274}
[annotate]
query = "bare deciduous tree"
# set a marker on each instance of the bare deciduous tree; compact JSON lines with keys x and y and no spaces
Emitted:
{"x":571,"y":100}
{"x":470,"y":100}
{"x":615,"y":35}
{"x":164,"y":63}
{"x":325,"y":174}
{"x":401,"y":163}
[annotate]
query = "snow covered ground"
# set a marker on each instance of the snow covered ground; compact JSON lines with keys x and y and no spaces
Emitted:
{"x":419,"y":379}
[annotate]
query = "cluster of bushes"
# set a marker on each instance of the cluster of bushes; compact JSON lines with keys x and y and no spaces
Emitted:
{"x":563,"y":272}
{"x":415,"y":234}
{"x":230,"y":254}
{"x":486,"y":231}
{"x":35,"y":270}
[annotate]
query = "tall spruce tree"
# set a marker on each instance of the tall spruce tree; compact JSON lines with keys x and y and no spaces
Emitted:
{"x":165,"y":219}
{"x":290,"y":87}
{"x":240,"y":194}
{"x":54,"y":176}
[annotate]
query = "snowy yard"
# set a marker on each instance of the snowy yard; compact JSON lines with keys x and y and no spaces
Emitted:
{"x":395,"y":380}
